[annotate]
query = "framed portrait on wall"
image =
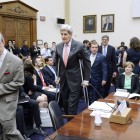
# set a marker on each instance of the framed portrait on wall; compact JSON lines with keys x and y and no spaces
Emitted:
{"x":89,"y":24}
{"x":107,"y":23}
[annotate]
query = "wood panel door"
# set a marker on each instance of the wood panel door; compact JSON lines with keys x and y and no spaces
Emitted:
{"x":16,"y":29}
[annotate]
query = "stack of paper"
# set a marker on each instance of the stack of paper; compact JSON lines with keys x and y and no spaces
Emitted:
{"x":121,"y":94}
{"x":97,"y":105}
{"x":134,"y":95}
{"x":105,"y":109}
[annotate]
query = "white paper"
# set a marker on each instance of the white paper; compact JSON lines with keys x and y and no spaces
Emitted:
{"x":134,"y":95}
{"x":122,"y":107}
{"x":56,"y":90}
{"x":102,"y":113}
{"x":121,"y":94}
{"x":102,"y":106}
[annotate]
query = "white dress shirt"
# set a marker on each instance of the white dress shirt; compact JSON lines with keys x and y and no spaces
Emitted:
{"x":45,"y":52}
{"x":92,"y":58}
{"x":2,"y":56}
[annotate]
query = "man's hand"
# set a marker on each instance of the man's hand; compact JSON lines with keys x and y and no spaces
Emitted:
{"x":103,"y":82}
{"x":30,"y":92}
{"x":85,"y":83}
{"x":45,"y":88}
{"x":114,"y":74}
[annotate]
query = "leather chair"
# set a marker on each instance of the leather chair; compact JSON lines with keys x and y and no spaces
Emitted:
{"x":56,"y":115}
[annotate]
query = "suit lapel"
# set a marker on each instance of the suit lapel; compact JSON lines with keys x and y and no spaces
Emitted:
{"x":5,"y":65}
{"x":72,"y":49}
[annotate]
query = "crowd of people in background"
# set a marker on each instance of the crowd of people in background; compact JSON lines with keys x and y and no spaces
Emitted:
{"x":103,"y":66}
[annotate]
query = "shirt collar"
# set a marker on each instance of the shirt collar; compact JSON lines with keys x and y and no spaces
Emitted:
{"x":131,"y":74}
{"x":69,"y":44}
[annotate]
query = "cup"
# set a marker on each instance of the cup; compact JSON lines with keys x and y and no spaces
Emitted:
{"x":98,"y":120}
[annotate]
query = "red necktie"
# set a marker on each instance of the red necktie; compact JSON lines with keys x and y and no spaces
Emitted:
{"x":41,"y":77}
{"x":66,"y":55}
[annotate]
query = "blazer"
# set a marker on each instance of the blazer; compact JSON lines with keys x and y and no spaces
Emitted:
{"x":38,"y":80}
{"x":50,"y":76}
{"x":71,"y":72}
{"x":11,"y":79}
{"x":110,"y":59}
{"x":98,"y":70}
{"x":34,"y":53}
{"x":109,"y":26}
{"x":134,"y":83}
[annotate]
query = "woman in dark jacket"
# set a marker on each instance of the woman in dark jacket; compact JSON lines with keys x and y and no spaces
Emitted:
{"x":30,"y":86}
{"x":133,"y":54}
{"x":128,"y":80}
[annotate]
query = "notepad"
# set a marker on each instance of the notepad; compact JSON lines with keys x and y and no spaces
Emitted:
{"x":122,"y":94}
{"x":102,"y":106}
{"x":61,"y":137}
{"x":134,"y":95}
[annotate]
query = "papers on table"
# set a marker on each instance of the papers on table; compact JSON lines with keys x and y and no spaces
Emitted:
{"x":121,"y":93}
{"x":103,"y":114}
{"x":134,"y":95}
{"x":56,"y":90}
{"x":105,"y":109}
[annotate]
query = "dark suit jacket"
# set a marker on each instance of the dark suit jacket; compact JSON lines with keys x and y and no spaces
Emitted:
{"x":34,"y":53}
{"x":71,"y":72}
{"x":49,"y":75}
{"x":110,"y":59}
{"x":38,"y":80}
{"x":98,"y":70}
{"x":109,"y":26}
{"x":134,"y":83}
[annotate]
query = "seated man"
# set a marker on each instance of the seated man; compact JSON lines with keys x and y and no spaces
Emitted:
{"x":49,"y":71}
{"x":28,"y":104}
{"x":41,"y":79}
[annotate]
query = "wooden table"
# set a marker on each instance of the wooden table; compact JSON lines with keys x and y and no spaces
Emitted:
{"x":83,"y":126}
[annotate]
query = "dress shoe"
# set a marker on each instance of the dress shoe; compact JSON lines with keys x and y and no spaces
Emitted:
{"x":40,"y":131}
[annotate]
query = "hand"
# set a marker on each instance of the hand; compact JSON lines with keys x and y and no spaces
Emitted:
{"x":30,"y":92}
{"x":27,"y":97}
{"x":103,"y":82}
{"x":34,"y":77}
{"x":51,"y":86}
{"x":114,"y":74}
{"x":45,"y":88}
{"x":57,"y":80}
{"x":85,"y":83}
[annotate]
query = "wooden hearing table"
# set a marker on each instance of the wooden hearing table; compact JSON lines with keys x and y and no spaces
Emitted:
{"x":83,"y":126}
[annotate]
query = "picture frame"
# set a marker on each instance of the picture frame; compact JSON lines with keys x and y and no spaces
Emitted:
{"x":107,"y":23}
{"x":39,"y":42}
{"x":89,"y":24}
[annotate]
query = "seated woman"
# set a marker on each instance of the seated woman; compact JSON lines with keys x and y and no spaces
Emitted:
{"x":128,"y":80}
{"x":30,"y":86}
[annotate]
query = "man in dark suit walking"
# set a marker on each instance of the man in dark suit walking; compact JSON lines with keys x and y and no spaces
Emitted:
{"x":68,"y":54}
{"x":98,"y":72}
{"x":109,"y":52}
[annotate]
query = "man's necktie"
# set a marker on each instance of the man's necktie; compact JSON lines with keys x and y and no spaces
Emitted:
{"x":66,"y":55}
{"x":41,"y":77}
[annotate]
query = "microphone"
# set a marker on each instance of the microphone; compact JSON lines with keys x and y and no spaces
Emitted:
{"x":118,"y":102}
{"x":101,"y":96}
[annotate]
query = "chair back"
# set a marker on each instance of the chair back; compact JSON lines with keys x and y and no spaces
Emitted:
{"x":56,"y":115}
